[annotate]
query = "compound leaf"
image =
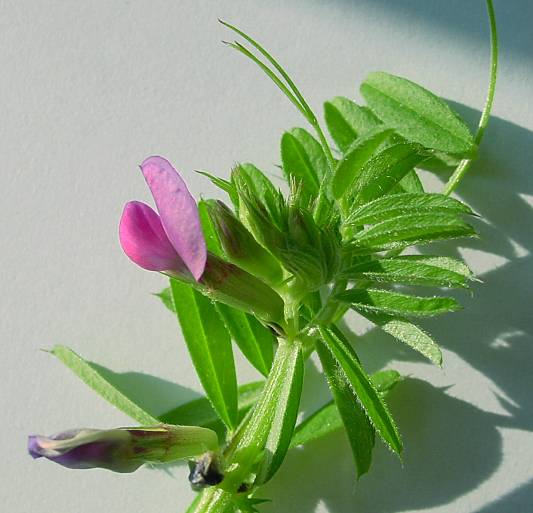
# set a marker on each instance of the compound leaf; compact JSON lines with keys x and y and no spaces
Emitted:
{"x":417,"y":114}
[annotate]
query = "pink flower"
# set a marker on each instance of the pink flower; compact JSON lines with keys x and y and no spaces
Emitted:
{"x":171,"y":240}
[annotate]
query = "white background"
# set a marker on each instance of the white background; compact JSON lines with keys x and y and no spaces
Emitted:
{"x":89,"y":89}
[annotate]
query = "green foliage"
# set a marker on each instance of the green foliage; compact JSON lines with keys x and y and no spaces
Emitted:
{"x":384,"y":171}
{"x":209,"y":345}
{"x":254,"y":340}
{"x":340,"y":216}
{"x":279,"y":268}
{"x":93,"y":378}
{"x":358,"y":154}
{"x":367,"y":396}
{"x":211,"y":236}
{"x":386,"y":301}
{"x":264,"y":436}
{"x":389,"y":207}
{"x":408,"y":230}
{"x":359,"y":429}
{"x":346,"y":121}
{"x":417,"y":114}
{"x":239,"y":246}
{"x":200,"y":412}
{"x":284,"y":412}
{"x":406,"y":332}
{"x":327,"y":418}
{"x":412,"y":270}
{"x":226,"y":186}
{"x":303,"y":158}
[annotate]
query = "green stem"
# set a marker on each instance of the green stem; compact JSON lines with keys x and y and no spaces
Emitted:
{"x":212,"y":500}
{"x":329,"y":312}
{"x":244,"y":450}
{"x":324,"y":143}
{"x":465,"y":164}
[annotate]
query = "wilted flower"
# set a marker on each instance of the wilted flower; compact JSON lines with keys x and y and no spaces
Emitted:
{"x":122,"y":449}
{"x":171,"y":240}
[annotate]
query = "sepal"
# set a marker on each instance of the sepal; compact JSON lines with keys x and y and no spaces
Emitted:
{"x":240,"y":246}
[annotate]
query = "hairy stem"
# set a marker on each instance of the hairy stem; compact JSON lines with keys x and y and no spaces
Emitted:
{"x":465,"y":164}
{"x":245,"y":449}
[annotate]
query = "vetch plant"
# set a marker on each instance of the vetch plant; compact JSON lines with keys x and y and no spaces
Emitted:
{"x":275,"y":272}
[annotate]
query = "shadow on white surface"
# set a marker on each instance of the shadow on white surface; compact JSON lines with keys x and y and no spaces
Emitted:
{"x":465,"y":19}
{"x":152,"y":394}
{"x":452,"y":447}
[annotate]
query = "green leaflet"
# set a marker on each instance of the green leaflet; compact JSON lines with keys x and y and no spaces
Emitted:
{"x":386,"y":301}
{"x":351,"y":165}
{"x":410,"y":183}
{"x":417,"y":114}
{"x":322,"y":422}
{"x":226,"y":186}
{"x":200,"y":412}
{"x":246,"y":177}
{"x":284,"y":413}
{"x":288,"y":88}
{"x":412,"y":270}
{"x":209,"y":345}
{"x":450,"y":264}
{"x":385,"y":380}
{"x":327,"y":418}
{"x":406,"y":332}
{"x":384,"y":170}
{"x":361,"y":434}
{"x":363,"y":388}
{"x":254,"y":340}
{"x":91,"y":377}
{"x":303,"y":157}
{"x":411,"y":229}
{"x":210,"y":235}
{"x":244,"y":504}
{"x":346,"y":121}
{"x":166,"y":297}
{"x":388,"y":207}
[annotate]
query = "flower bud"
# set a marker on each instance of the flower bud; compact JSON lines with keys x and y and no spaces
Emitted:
{"x":312,"y":253}
{"x":227,"y":283}
{"x":240,"y":247}
{"x":122,"y":449}
{"x":261,"y":206}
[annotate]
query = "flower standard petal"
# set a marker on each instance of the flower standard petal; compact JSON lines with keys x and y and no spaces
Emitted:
{"x":144,"y":240}
{"x":178,"y":211}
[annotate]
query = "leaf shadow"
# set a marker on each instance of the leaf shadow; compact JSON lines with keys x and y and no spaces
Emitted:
{"x":452,"y":447}
{"x":154,"y":395}
{"x":465,"y":20}
{"x":443,"y":437}
{"x":494,"y":332}
{"x":513,"y":501}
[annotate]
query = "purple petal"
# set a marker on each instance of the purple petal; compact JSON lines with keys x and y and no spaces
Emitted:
{"x":80,"y":450}
{"x":178,"y":211}
{"x":34,"y":447}
{"x":144,"y":240}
